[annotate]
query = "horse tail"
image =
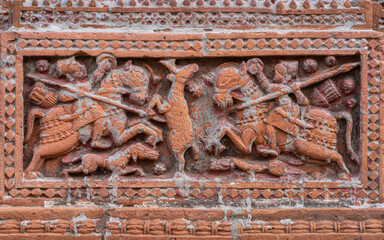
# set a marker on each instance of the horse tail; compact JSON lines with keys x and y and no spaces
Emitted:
{"x":209,"y":78}
{"x":348,"y":134}
{"x":195,"y":151}
{"x":34,"y":113}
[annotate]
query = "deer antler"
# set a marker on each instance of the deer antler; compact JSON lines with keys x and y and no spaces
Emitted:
{"x":170,"y":64}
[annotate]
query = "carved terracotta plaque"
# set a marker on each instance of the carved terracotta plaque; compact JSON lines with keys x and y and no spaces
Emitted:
{"x":191,"y":119}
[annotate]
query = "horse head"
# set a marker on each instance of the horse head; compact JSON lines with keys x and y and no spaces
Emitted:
{"x":233,"y":81}
{"x":137,"y":79}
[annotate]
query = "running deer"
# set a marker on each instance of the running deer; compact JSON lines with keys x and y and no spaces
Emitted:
{"x":175,"y":110}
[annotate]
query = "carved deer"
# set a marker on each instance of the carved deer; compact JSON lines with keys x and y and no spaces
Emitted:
{"x":175,"y":110}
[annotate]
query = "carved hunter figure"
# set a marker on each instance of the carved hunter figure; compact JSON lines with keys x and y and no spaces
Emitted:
{"x":278,"y":116}
{"x":270,"y":119}
{"x":90,"y":109}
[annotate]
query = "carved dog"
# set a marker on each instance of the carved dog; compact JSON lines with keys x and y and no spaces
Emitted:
{"x":117,"y":162}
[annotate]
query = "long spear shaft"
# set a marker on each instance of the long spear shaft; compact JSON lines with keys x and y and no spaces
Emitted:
{"x":89,"y":95}
{"x":342,"y":69}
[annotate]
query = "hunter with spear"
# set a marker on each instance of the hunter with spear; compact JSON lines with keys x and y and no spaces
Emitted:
{"x":283,"y":127}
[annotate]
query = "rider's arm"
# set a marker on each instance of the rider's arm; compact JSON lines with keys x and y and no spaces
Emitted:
{"x":263,"y":80}
{"x":301,"y":98}
{"x":65,"y":98}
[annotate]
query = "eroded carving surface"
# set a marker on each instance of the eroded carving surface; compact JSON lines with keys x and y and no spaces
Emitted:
{"x":261,"y":118}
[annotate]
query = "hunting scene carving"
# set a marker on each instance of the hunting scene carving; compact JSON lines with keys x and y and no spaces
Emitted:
{"x":267,"y":118}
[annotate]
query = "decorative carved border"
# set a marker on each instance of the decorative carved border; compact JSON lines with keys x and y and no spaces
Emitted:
{"x":241,"y":14}
{"x":16,"y":45}
{"x":149,"y":223}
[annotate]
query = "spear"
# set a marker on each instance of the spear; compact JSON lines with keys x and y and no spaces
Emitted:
{"x":97,"y":97}
{"x":321,"y":77}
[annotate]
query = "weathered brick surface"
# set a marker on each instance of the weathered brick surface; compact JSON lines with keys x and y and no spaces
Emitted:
{"x":191,"y":119}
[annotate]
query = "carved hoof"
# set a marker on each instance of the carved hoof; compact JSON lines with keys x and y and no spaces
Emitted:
{"x":101,"y":144}
{"x":179,"y":175}
{"x":277,"y":168}
{"x":266,"y":152}
{"x":140,"y":173}
{"x":272,"y":153}
{"x":30,"y":175}
{"x":219,"y":148}
{"x":64,"y":173}
{"x":160,"y":138}
{"x":221,"y":164}
{"x":344,"y":176}
{"x":151,"y":112}
{"x":152,"y":140}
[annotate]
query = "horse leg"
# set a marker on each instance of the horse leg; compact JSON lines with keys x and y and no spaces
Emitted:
{"x":158,"y":131}
{"x":270,"y":131}
{"x":33,"y":165}
{"x":243,"y":142}
{"x":41,"y":163}
{"x":317,"y":152}
{"x":98,"y":129}
{"x":269,"y":147}
{"x":195,"y":152}
{"x":179,"y":156}
{"x":130,"y":169}
{"x":116,"y":127}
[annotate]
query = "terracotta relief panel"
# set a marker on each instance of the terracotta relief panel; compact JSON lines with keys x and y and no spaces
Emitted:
{"x":121,"y":119}
{"x":191,"y":119}
{"x":249,"y":119}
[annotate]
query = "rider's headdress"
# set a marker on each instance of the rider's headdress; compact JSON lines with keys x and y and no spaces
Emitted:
{"x":281,"y":69}
{"x":107,"y":56}
{"x":288,"y":69}
{"x":62,"y":65}
{"x":72,"y":69}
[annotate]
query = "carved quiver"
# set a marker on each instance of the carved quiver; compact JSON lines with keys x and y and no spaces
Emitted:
{"x":42,"y":96}
{"x":325,"y":94}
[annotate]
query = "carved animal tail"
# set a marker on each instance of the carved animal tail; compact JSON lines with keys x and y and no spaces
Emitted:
{"x":155,"y":78}
{"x":348,"y":134}
{"x":209,"y":78}
{"x":195,"y":152}
{"x":35,"y":113}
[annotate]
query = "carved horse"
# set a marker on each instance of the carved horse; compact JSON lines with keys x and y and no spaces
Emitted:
{"x":313,"y":138}
{"x":64,"y":126}
{"x":232,"y":81}
{"x":113,"y":84}
{"x":175,"y":110}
